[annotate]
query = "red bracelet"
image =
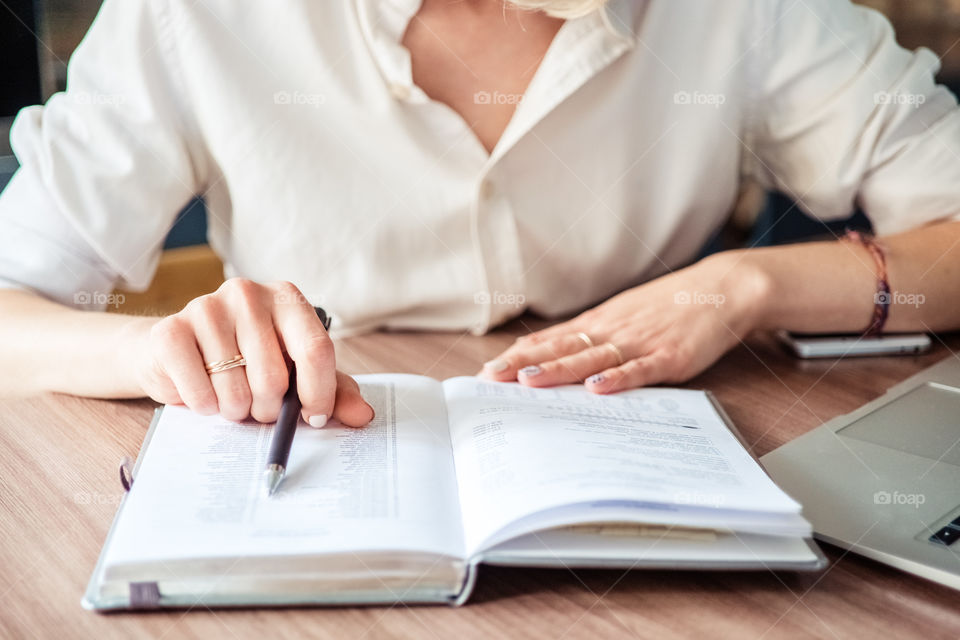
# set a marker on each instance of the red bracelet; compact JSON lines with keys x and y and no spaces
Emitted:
{"x":881,"y":299}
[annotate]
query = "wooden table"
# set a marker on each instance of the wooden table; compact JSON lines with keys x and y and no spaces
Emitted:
{"x":60,"y":490}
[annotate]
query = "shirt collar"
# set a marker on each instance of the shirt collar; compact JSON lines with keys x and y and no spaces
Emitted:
{"x":581,"y":49}
{"x":383,"y":23}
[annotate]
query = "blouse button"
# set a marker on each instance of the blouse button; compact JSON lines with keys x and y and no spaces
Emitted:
{"x":487,"y":190}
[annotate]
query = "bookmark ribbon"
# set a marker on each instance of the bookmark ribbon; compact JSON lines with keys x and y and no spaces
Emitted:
{"x":144,"y":595}
{"x":126,"y":473}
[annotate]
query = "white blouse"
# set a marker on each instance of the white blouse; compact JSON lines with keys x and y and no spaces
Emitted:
{"x":323,"y":164}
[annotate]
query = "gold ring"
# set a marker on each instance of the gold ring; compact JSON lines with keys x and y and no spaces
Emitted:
{"x":616,"y":351}
{"x":226,"y":365}
{"x":586,"y":339}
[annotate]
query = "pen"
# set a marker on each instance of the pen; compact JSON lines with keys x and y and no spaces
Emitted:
{"x":286,"y":427}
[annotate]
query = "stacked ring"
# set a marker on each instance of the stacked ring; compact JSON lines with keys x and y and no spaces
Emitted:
{"x":586,"y":339}
{"x":616,"y":351}
{"x":226,"y":365}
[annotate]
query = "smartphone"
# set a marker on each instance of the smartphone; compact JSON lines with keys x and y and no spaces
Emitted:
{"x":808,"y":345}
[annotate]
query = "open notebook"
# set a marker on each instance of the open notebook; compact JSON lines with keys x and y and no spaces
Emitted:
{"x":448,"y":475}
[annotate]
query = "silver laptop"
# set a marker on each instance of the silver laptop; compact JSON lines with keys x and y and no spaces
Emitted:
{"x":884,"y":481}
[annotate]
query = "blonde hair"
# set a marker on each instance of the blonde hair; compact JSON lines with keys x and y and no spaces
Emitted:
{"x":561,"y":8}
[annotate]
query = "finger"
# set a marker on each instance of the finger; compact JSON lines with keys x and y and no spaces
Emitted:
{"x":569,"y":369}
{"x":351,"y":409}
{"x":267,"y":371}
{"x":180,"y":360}
{"x":639,"y":372}
{"x":311,"y":349}
{"x":214,"y":328}
{"x":527,"y":351}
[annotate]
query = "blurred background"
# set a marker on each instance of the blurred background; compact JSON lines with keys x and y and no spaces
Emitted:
{"x":934,"y":24}
{"x":37,"y":38}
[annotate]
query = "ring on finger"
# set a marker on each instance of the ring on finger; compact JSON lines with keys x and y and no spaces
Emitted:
{"x":225,"y":365}
{"x":616,"y":352}
{"x":586,"y":339}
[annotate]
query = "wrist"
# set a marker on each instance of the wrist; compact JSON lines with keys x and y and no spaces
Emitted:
{"x":746,"y":285}
{"x":132,"y":355}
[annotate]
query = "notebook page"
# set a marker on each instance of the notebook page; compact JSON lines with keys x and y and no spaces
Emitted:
{"x":520,"y":450}
{"x":389,"y":486}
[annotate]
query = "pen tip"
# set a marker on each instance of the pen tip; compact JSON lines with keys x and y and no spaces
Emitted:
{"x":271,"y":480}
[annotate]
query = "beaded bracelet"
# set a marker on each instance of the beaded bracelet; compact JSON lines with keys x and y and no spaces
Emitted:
{"x":881,"y":299}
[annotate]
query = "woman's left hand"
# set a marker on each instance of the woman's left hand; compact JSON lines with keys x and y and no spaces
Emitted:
{"x":665,"y":331}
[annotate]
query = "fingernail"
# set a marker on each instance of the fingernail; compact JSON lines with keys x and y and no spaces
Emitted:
{"x":318,"y":421}
{"x":596,"y":378}
{"x":496,"y":365}
{"x":532,"y":370}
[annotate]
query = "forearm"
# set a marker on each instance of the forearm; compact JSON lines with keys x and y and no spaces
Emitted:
{"x":45,"y":346}
{"x":830,"y":287}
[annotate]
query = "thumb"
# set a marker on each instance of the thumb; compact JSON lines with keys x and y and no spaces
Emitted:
{"x":350,"y":408}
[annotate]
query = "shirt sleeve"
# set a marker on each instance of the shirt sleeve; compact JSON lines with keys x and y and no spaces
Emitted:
{"x":105,"y":166}
{"x":845,"y":117}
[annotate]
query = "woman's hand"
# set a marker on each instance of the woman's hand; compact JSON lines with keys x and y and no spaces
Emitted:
{"x":271,"y":326}
{"x":667,"y":330}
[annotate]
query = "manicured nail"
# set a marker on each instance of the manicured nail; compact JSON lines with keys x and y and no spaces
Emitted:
{"x":496,"y":365}
{"x":596,"y":378}
{"x":318,"y":421}
{"x":532,"y":370}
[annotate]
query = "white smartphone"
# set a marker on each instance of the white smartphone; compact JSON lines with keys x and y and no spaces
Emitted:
{"x":841,"y":345}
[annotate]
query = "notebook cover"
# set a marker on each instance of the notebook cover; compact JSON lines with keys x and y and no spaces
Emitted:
{"x":146,"y":596}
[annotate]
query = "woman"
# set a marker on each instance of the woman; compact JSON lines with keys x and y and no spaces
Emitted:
{"x":450,"y":164}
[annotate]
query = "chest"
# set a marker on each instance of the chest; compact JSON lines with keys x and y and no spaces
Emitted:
{"x":478,"y":63}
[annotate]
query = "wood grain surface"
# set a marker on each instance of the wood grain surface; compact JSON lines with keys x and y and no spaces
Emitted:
{"x":59,"y":491}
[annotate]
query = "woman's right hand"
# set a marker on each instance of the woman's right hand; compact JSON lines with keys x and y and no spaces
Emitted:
{"x":272,"y":326}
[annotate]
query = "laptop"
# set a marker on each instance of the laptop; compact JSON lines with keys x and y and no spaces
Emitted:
{"x":884,"y":481}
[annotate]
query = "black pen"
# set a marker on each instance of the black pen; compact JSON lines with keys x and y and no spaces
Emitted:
{"x":286,"y":427}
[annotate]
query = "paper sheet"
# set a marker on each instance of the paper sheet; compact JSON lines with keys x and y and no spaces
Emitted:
{"x":390,"y":486}
{"x":520,"y":450}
